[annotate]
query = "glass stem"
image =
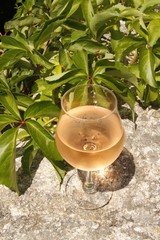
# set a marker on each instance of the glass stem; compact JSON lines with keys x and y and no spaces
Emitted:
{"x":89,"y":184}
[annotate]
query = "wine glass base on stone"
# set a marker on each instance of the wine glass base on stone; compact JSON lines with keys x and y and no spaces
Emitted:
{"x":73,"y":190}
{"x":114,"y":177}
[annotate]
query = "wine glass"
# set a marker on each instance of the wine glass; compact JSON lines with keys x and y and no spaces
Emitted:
{"x":90,"y":137}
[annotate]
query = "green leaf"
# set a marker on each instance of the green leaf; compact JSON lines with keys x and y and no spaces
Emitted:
{"x":22,"y":134}
{"x":28,"y":155}
{"x":47,"y":145}
{"x":27,"y":159}
{"x":127,"y":73}
{"x":42,"y":109}
{"x":77,"y":35}
{"x":149,"y":4}
{"x":78,"y":78}
{"x":7,"y":119}
{"x":146,"y":66}
{"x":25,"y":74}
{"x":10,"y":57}
{"x":75,"y":25}
{"x":90,"y":46}
{"x":7,"y":159}
{"x":49,"y":27}
{"x":124,"y":46}
{"x":140,"y":28}
{"x":118,"y":87}
{"x":153,"y":32}
{"x":2,"y":126}
{"x":100,"y":18}
{"x":3,"y":82}
{"x":74,"y":7}
{"x":137,"y":3}
{"x":65,"y":77}
{"x":117,"y":69}
{"x":105,"y":63}
{"x":64,"y":58}
{"x":129,"y":12}
{"x":12,"y":43}
{"x":150,"y":95}
{"x":38,"y":58}
{"x":23,"y":100}
{"x":63,"y":7}
{"x":101,"y":98}
{"x":78,"y":96}
{"x":22,"y":22}
{"x":87,"y":10}
{"x":8,"y":101}
{"x":28,"y":4}
{"x":80,"y":59}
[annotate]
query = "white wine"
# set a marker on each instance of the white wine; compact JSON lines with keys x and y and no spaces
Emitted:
{"x":90,"y":137}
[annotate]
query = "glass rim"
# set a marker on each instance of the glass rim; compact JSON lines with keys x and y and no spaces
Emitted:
{"x":83,"y":85}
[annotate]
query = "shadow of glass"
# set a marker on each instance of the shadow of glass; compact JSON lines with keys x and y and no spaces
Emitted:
{"x":114,"y":177}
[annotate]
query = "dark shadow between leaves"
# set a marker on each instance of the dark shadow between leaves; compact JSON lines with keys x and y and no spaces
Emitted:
{"x":116,"y":176}
{"x":25,"y":180}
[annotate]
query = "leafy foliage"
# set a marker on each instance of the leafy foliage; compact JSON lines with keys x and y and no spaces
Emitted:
{"x":52,"y":45}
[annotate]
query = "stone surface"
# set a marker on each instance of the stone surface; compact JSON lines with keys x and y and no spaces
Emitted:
{"x":133,"y":213}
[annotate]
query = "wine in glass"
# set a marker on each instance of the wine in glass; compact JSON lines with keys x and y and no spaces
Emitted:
{"x":90,"y":137}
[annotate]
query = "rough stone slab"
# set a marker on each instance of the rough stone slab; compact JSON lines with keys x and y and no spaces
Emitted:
{"x":133,"y":213}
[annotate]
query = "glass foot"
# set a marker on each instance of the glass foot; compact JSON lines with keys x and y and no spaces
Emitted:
{"x":114,"y":177}
{"x":74,"y":191}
